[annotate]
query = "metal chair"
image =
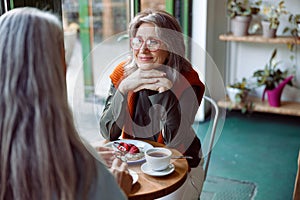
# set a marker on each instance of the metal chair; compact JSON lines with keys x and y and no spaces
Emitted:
{"x":296,"y":195}
{"x":213,"y":132}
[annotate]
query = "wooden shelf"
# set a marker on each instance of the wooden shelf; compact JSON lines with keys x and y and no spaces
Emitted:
{"x":260,"y":39}
{"x":286,"y":108}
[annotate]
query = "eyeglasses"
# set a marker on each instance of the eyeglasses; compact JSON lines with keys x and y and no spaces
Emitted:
{"x":152,"y":44}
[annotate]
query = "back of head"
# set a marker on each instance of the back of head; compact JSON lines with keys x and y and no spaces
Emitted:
{"x":31,"y":46}
{"x":38,"y":140}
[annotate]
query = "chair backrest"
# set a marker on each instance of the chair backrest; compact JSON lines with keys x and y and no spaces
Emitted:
{"x":296,"y":195}
{"x":213,"y":132}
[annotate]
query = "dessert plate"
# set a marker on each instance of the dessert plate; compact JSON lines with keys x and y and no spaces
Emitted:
{"x":143,"y":146}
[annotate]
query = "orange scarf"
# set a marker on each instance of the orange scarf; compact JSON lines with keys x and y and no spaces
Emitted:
{"x":188,"y":79}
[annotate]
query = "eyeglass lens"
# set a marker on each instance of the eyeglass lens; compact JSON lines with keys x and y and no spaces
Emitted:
{"x":151,"y":43}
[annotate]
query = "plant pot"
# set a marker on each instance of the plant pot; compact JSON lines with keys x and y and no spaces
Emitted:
{"x":237,"y":95}
{"x":274,"y":95}
{"x":240,"y":25}
{"x":268,"y":32}
{"x":255,"y":25}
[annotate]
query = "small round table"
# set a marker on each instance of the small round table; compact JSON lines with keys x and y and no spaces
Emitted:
{"x":151,"y":187}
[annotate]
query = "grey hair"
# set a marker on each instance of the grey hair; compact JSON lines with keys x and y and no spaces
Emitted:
{"x":40,"y":149}
{"x":169,"y":31}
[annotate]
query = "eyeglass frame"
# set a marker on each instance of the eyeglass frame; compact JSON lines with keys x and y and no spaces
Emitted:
{"x":143,"y":42}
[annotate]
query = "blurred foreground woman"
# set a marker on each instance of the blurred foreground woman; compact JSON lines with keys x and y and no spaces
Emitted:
{"x":42,"y":156}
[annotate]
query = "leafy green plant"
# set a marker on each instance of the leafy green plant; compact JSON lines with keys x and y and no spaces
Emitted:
{"x":294,"y":21}
{"x":242,"y":8}
{"x":270,"y":76}
{"x":240,"y":85}
{"x":241,"y":90}
{"x":272,"y":13}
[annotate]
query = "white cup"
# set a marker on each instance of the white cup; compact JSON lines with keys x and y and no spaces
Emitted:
{"x":158,"y":158}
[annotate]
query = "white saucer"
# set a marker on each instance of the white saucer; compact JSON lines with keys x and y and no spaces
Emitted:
{"x":146,"y":169}
{"x":134,"y":175}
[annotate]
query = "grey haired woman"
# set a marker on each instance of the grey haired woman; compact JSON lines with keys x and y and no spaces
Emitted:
{"x":41,"y":154}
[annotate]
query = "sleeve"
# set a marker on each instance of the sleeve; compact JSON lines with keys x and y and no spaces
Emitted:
{"x":113,"y":116}
{"x":105,"y":186}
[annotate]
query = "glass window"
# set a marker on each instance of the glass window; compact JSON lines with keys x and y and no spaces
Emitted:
{"x":108,"y":17}
{"x":157,"y":4}
{"x":87,"y":23}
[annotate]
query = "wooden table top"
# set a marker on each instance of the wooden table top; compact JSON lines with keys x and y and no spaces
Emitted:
{"x":150,"y":187}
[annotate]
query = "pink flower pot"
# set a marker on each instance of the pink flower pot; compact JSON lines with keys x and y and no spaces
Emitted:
{"x":275,"y":94}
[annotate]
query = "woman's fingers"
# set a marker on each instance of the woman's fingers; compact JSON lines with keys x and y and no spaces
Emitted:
{"x":161,"y":85}
{"x":120,"y":171}
{"x":141,"y":79}
{"x":102,"y":148}
{"x":107,"y":154}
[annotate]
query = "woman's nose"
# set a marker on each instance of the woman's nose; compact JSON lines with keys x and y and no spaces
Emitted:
{"x":144,"y":47}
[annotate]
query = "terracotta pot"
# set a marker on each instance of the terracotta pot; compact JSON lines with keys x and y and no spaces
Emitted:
{"x":267,"y":32}
{"x":240,"y":25}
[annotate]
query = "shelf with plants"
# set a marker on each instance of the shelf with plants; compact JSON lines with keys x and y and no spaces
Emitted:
{"x":265,"y":17}
{"x":286,"y":108}
{"x":260,"y":39}
{"x":273,"y":80}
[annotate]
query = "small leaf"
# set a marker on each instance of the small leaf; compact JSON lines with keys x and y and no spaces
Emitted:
{"x":281,"y":4}
{"x":274,"y":54}
{"x":291,"y":18}
{"x":286,"y":29}
{"x":290,"y":46}
{"x":292,"y":57}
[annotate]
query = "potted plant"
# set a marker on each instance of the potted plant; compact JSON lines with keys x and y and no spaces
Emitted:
{"x":273,"y":79}
{"x":270,"y":22}
{"x":240,"y":13}
{"x":238,"y":92}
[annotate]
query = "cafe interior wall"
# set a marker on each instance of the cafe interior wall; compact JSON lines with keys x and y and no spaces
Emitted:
{"x":208,"y":52}
{"x":245,"y":58}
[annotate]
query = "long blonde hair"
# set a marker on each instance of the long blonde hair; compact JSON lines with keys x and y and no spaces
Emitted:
{"x":42,"y":156}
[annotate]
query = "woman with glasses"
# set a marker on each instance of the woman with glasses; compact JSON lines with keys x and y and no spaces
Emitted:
{"x":155,"y":94}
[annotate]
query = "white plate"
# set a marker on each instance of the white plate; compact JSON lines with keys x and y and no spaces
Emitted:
{"x":134,"y":175}
{"x":143,"y":146}
{"x":147,"y":170}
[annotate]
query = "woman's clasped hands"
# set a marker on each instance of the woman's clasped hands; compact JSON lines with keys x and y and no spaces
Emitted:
{"x":145,"y":79}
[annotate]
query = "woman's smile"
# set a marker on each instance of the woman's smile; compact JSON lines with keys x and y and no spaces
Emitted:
{"x":145,"y":58}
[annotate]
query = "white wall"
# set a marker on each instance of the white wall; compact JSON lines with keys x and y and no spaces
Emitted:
{"x":245,"y":58}
{"x":207,"y":50}
{"x":207,"y":27}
